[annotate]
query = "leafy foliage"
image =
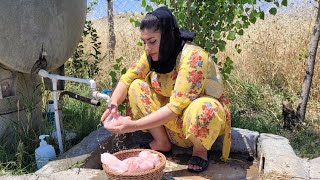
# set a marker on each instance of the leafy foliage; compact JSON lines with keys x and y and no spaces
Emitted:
{"x":85,"y":62}
{"x":115,"y":73}
{"x":215,"y":22}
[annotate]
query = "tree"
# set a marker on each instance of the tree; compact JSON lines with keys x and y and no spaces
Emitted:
{"x":217,"y":21}
{"x":112,"y":36}
{"x":302,"y":106}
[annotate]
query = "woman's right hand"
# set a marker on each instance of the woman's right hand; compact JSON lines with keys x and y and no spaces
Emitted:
{"x":113,"y":109}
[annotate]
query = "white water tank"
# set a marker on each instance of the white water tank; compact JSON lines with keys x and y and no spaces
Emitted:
{"x":25,"y":27}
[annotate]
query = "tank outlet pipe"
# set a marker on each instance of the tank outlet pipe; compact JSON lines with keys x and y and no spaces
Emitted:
{"x":46,"y":74}
{"x":54,"y":78}
{"x":98,"y":95}
{"x":80,"y":98}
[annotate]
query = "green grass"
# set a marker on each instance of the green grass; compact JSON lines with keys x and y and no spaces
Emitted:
{"x":305,"y":141}
{"x":79,"y":117}
{"x":258,"y":107}
{"x":17,"y":147}
{"x":17,"y":151}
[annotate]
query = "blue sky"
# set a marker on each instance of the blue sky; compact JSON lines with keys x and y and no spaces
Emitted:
{"x":121,"y":6}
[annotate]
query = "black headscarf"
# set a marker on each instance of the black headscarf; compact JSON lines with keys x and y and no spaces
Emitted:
{"x":171,"y":43}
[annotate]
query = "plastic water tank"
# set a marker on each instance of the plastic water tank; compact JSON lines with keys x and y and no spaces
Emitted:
{"x":27,"y":25}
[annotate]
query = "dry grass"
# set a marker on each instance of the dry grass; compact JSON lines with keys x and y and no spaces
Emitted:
{"x":127,"y":37}
{"x":275,"y":176}
{"x":274,"y":52}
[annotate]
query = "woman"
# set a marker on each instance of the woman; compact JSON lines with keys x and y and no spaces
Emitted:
{"x":175,"y":92}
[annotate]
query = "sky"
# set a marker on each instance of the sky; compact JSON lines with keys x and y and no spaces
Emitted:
{"x":121,"y":6}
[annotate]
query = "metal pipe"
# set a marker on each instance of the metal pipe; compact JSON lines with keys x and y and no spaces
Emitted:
{"x":80,"y":98}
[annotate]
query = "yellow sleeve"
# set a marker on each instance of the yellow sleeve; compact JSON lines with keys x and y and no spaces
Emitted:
{"x":190,"y":81}
{"x":137,"y":70}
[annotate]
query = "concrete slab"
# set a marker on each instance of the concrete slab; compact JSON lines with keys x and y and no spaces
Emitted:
{"x":74,"y":174}
{"x":88,"y":144}
{"x":61,"y":165}
{"x":277,"y":156}
{"x":315,"y":169}
{"x":243,"y":141}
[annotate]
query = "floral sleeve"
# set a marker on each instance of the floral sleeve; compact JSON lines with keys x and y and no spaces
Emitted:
{"x":137,"y":70}
{"x":190,"y":80}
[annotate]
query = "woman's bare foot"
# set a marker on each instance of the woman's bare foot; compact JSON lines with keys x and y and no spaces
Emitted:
{"x":161,"y":141}
{"x":160,"y":146}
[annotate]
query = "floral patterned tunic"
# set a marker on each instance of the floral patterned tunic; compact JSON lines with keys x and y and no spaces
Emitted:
{"x":193,"y":90}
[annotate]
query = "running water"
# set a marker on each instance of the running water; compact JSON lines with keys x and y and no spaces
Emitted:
{"x":119,"y":139}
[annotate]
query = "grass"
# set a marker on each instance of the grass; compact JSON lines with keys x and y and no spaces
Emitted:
{"x":269,"y":70}
{"x":258,"y":108}
{"x":17,"y":147}
{"x":79,"y":117}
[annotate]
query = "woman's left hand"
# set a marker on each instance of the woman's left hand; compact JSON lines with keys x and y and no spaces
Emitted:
{"x":121,"y":125}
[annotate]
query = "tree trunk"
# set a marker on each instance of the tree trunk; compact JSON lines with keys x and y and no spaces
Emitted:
{"x":302,"y":106}
{"x":189,"y":15}
{"x":112,"y":37}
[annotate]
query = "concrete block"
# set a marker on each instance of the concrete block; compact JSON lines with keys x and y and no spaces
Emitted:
{"x":315,"y":168}
{"x":279,"y":157}
{"x":61,"y":165}
{"x":74,"y":173}
{"x":243,"y":141}
{"x":88,"y":144}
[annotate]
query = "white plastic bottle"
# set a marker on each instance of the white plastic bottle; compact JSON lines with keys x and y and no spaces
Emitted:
{"x":44,"y":152}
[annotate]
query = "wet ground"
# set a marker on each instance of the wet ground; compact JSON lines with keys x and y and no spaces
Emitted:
{"x":238,"y":167}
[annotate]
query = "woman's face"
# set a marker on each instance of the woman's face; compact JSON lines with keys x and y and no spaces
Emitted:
{"x":151,"y":40}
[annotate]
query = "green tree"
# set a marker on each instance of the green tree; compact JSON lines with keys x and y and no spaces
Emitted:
{"x":217,"y":21}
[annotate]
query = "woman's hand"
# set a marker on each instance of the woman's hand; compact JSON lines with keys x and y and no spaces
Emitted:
{"x":121,"y":125}
{"x":113,"y":109}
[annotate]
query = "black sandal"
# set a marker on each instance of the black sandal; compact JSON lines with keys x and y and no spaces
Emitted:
{"x":198,"y":161}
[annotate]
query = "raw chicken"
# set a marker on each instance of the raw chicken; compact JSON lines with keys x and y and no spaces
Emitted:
{"x":156,"y":159}
{"x":147,"y":156}
{"x":144,"y":154}
{"x":146,"y":165}
{"x":114,"y":163}
{"x":145,"y":161}
{"x":133,"y":164}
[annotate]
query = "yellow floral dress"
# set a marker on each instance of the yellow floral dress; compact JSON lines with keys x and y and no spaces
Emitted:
{"x":193,"y":90}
